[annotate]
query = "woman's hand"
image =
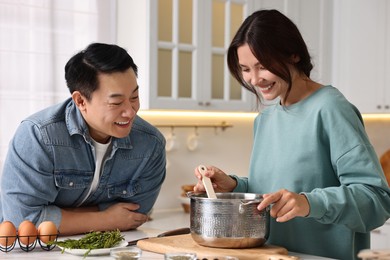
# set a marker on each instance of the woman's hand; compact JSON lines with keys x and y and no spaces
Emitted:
{"x":286,"y":205}
{"x":220,"y":180}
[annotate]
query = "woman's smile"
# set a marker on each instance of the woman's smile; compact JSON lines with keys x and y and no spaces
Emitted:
{"x":266,"y":88}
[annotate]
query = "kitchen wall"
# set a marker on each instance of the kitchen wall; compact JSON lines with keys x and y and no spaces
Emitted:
{"x":378,"y":131}
{"x":229,"y":149}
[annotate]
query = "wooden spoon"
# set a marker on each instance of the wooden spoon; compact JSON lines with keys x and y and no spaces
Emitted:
{"x":207,"y":182}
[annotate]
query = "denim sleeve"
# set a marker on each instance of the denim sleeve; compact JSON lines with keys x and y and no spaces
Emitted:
{"x":27,"y":184}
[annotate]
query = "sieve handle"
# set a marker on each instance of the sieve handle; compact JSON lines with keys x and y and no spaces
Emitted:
{"x":245,"y":203}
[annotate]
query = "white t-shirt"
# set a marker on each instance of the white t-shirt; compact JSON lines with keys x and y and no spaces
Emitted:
{"x":100,"y":153}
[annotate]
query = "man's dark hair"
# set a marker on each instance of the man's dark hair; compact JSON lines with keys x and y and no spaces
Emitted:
{"x":81,"y":71}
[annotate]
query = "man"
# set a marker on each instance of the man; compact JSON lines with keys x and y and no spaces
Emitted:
{"x":89,"y":163}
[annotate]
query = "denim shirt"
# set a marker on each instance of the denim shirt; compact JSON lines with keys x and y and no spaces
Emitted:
{"x":50,"y":165}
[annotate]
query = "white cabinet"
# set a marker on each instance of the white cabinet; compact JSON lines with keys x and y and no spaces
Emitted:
{"x":362,"y":53}
{"x":180,"y":48}
{"x":380,"y":237}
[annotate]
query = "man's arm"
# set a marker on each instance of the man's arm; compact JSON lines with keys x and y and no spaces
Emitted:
{"x":85,"y":219}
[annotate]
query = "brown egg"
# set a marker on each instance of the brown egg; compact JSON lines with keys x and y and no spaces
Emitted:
{"x":7,"y":233}
{"x":27,"y":232}
{"x":47,"y":231}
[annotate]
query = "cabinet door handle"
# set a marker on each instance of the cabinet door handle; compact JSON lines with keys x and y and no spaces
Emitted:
{"x":387,"y":107}
{"x":379,"y":107}
{"x":206,"y":104}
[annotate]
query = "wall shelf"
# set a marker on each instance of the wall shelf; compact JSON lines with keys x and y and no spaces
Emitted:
{"x":223,"y":125}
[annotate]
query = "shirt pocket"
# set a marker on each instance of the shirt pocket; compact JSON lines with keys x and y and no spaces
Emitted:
{"x":124,"y":190}
{"x":73,"y":179}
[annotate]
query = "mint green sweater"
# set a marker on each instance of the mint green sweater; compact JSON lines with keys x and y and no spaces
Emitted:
{"x":319,"y":147}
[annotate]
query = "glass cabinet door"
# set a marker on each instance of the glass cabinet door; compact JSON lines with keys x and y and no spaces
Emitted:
{"x":226,"y":18}
{"x":175,"y":49}
{"x":192,"y":40}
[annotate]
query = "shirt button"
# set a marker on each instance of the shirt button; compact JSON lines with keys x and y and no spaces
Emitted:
{"x":124,"y":192}
{"x":71,"y":184}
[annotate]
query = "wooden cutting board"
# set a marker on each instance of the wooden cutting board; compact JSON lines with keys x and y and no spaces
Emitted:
{"x":185,"y":243}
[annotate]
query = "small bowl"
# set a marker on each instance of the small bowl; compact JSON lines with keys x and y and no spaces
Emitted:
{"x":218,"y":258}
{"x":126,"y":253}
{"x":180,"y":256}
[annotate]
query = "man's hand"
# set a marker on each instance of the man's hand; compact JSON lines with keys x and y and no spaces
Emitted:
{"x":120,"y":216}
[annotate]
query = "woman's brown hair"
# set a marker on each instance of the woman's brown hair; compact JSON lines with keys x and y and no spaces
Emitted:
{"x":274,"y":39}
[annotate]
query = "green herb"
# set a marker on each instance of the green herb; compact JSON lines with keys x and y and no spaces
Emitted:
{"x":92,"y":240}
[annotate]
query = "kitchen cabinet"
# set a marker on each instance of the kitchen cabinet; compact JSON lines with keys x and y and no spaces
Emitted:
{"x":362,"y":53}
{"x":380,"y":237}
{"x":180,"y":48}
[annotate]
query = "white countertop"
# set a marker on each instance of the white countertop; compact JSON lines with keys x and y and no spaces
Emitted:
{"x":161,"y":221}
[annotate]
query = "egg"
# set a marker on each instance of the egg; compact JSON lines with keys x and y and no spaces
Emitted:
{"x":47,"y":231}
{"x":7,"y":233}
{"x":27,"y":233}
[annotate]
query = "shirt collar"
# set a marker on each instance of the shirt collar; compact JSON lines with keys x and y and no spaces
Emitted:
{"x":77,"y":125}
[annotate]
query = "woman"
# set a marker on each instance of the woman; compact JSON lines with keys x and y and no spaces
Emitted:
{"x":311,"y":156}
